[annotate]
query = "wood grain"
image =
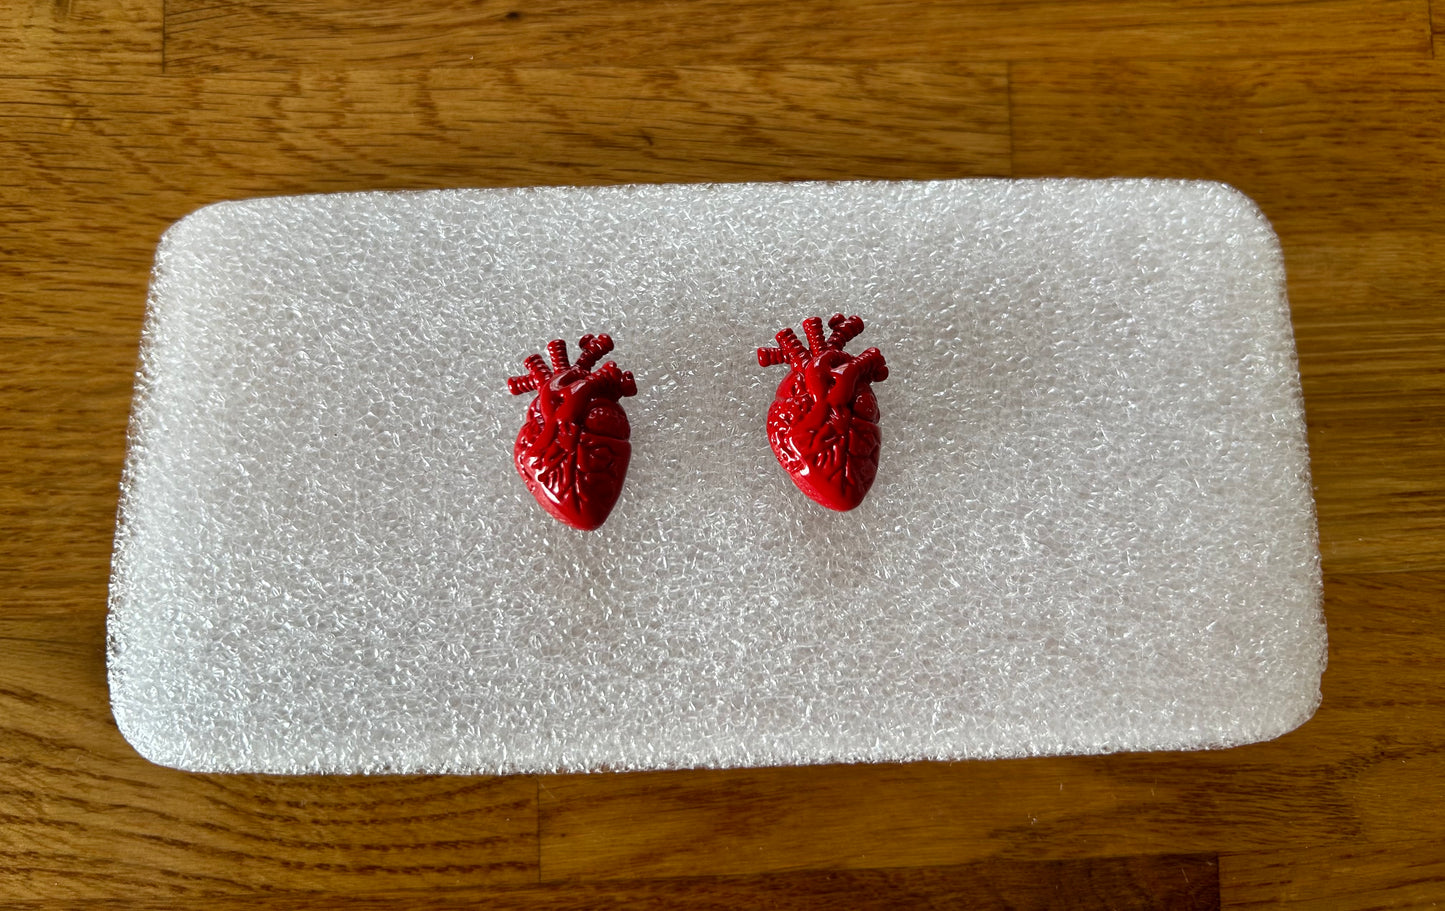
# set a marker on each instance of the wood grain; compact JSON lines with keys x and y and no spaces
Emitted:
{"x":1385,"y":639}
{"x":384,"y":33}
{"x":63,"y":413}
{"x":1256,"y":798}
{"x":1348,"y":878}
{"x":183,"y":143}
{"x":81,"y":36}
{"x":1317,"y":147}
{"x":1183,"y":882}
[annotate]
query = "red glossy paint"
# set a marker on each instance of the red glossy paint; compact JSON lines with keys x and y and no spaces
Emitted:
{"x":573,"y":449}
{"x":823,"y":424}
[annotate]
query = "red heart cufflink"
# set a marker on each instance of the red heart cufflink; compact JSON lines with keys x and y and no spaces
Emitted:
{"x":572,"y":451}
{"x":823,"y":424}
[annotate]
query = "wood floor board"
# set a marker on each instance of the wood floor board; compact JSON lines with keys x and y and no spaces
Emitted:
{"x":328,"y":130}
{"x":1378,"y":492}
{"x":1182,"y":882}
{"x":203,"y":36}
{"x":86,"y":156}
{"x":64,"y":406}
{"x":1325,"y":147}
{"x":1368,"y":328}
{"x":81,"y":36}
{"x":1381,"y":278}
{"x":1373,"y":406}
{"x":1385,"y":635}
{"x":1363,"y":877}
{"x":1333,"y":781}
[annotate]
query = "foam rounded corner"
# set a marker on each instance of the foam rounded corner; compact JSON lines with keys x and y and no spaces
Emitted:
{"x":210,"y":220}
{"x":1247,"y":205}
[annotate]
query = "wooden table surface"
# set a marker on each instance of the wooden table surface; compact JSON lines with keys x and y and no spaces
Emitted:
{"x":120,"y":116}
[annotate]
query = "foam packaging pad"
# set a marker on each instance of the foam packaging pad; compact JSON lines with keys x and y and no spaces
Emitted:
{"x":1092,"y":528}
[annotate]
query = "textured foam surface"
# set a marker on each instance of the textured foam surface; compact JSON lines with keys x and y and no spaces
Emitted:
{"x":1092,"y":529}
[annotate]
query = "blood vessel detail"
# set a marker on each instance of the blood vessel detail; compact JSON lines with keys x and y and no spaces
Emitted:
{"x":823,"y":424}
{"x":573,"y":449}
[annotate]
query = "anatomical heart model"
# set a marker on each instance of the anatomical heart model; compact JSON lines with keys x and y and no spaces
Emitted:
{"x":823,"y":425}
{"x":573,"y":450}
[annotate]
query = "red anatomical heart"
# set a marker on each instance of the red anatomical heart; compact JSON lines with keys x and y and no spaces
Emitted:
{"x":823,"y":425}
{"x":573,"y":450}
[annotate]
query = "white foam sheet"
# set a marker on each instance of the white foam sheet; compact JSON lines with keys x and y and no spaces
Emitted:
{"x":1092,"y":529}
